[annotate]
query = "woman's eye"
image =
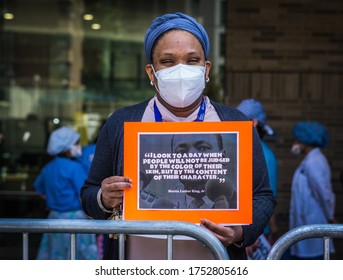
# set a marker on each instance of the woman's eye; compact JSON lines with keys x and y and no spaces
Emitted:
{"x":167,"y":62}
{"x":193,"y":61}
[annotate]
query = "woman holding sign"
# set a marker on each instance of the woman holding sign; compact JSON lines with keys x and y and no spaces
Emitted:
{"x":177,"y":50}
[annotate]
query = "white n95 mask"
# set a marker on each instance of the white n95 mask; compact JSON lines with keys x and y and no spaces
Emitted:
{"x":296,"y":149}
{"x":181,"y":85}
{"x":75,"y":151}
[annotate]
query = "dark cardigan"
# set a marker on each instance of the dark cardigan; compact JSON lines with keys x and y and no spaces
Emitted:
{"x":108,"y":161}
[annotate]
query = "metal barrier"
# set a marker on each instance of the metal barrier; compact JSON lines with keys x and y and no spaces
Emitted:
{"x":325,"y":231}
{"x":170,"y":229}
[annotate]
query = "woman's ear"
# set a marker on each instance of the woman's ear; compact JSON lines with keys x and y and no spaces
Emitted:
{"x":208,"y":65}
{"x":255,"y":122}
{"x":150,"y":73}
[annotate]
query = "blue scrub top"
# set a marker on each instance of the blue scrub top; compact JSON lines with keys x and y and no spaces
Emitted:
{"x":60,"y":181}
{"x":271,"y":166}
{"x":271,"y":162}
{"x":87,"y":156}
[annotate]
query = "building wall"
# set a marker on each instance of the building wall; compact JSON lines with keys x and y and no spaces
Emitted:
{"x":289,"y":55}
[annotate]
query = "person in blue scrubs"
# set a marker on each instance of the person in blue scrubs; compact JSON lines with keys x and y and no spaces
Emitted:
{"x":312,"y":197}
{"x":254,"y":110}
{"x":59,"y":183}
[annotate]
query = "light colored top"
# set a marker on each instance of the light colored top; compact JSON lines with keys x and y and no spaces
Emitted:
{"x":312,"y":201}
{"x":149,"y":116}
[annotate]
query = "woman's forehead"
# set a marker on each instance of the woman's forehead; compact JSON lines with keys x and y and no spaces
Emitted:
{"x":178,"y":40}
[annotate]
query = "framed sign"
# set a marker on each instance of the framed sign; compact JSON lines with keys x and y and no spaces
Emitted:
{"x":185,"y":171}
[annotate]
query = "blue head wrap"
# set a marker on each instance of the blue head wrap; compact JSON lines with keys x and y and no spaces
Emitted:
{"x":61,"y":140}
{"x":175,"y":21}
{"x":311,"y":133}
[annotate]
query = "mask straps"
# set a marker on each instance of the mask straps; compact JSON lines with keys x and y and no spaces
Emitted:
{"x":151,"y":82}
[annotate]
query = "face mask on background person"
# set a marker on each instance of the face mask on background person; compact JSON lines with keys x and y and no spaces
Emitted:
{"x":76,"y":151}
{"x":181,"y":84}
{"x":296,"y":149}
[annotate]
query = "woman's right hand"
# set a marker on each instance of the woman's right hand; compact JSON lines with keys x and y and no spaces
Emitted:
{"x":113,"y":190}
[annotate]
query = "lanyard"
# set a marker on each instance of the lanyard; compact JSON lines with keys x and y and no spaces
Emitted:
{"x":200,"y":116}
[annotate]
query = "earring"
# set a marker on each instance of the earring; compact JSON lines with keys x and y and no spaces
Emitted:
{"x":152,"y":83}
{"x":207,"y":79}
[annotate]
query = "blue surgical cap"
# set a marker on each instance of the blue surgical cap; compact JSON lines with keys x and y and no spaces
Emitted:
{"x":311,"y":133}
{"x":61,"y":140}
{"x":175,"y":21}
{"x":253,"y":109}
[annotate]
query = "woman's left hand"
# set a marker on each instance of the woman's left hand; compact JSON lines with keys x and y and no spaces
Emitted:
{"x":226,"y":235}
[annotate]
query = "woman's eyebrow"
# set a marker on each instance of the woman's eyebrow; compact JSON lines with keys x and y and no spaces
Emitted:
{"x":167,"y":53}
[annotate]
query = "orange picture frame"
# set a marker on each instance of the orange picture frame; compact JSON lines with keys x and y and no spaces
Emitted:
{"x":163,"y":166}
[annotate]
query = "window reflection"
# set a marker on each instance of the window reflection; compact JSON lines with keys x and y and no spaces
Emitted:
{"x":71,"y":62}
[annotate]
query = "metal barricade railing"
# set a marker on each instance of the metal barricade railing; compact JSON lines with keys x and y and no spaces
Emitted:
{"x":325,"y":231}
{"x":72,"y":227}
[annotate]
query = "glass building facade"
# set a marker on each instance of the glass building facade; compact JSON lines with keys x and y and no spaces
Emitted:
{"x":73,"y":62}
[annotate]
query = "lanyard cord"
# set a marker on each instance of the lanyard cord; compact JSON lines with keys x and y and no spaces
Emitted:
{"x":200,"y":116}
